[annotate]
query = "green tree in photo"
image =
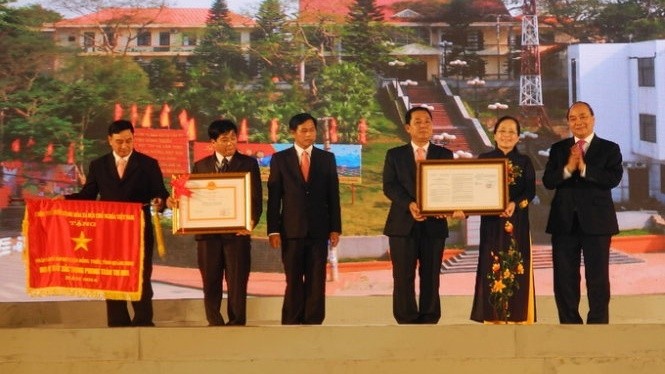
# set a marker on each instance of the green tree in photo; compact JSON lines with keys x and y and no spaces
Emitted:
{"x":273,"y":48}
{"x":26,"y":55}
{"x":610,"y":21}
{"x":162,"y":73}
{"x":220,"y":53}
{"x":631,"y":20}
{"x":346,"y":92}
{"x":365,"y":41}
{"x":90,"y":88}
{"x":218,"y":66}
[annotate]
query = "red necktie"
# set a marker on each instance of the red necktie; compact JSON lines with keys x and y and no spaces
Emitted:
{"x":122,"y":164}
{"x":304,"y":165}
{"x":580,"y":144}
{"x":420,"y":154}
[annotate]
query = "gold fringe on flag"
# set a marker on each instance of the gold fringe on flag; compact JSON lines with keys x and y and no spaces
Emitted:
{"x":159,"y":234}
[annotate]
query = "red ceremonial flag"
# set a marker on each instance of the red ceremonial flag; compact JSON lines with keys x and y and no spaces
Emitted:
{"x":243,"y":132}
{"x":16,"y":145}
{"x":362,"y":131}
{"x":333,"y":131}
{"x":70,"y":153}
{"x":5,"y":191}
{"x":183,"y":120}
{"x":48,"y":155}
{"x":146,"y":121}
{"x":164,"y":120}
{"x":84,"y":248}
{"x":274,"y":127}
{"x":191,"y":130}
{"x":117,"y":112}
{"x":134,"y":115}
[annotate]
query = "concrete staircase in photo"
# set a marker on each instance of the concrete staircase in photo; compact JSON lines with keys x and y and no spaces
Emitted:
{"x":428,"y":95}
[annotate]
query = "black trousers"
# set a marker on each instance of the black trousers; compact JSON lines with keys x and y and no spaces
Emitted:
{"x":567,"y":250}
{"x":117,"y":313}
{"x":305,"y":269}
{"x":227,"y":257}
{"x":425,"y":253}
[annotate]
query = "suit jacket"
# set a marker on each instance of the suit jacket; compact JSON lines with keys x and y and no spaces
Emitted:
{"x":399,"y":185}
{"x":299,"y":209}
{"x":141,"y":182}
{"x":589,"y":197}
{"x":239,"y":163}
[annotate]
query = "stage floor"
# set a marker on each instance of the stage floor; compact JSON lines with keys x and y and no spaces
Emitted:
{"x":631,"y":274}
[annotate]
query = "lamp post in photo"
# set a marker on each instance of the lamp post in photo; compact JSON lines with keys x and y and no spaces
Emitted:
{"x":459,"y":65}
{"x":396,"y":62}
{"x":444,"y":45}
{"x":475,"y":83}
{"x":395,"y":66}
{"x":497,"y":107}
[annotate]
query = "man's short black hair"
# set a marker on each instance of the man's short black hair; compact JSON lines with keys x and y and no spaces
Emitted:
{"x":299,"y":119}
{"x":409,"y":113}
{"x":221,"y":126}
{"x":119,"y":126}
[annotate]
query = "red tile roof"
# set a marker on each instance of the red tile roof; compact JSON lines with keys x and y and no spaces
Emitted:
{"x":337,"y":10}
{"x":165,"y":17}
{"x":313,"y":10}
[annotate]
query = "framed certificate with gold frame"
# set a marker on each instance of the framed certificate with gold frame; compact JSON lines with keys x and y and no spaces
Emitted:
{"x":217,"y":203}
{"x":477,"y":186}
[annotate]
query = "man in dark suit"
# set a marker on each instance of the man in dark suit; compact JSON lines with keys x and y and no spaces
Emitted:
{"x":227,"y":255}
{"x":583,"y":169}
{"x":415,"y":240}
{"x":128,"y":176}
{"x":303,"y":215}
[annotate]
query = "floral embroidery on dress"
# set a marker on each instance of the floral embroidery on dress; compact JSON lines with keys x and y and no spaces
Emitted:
{"x":514,"y":172}
{"x":506,"y":264}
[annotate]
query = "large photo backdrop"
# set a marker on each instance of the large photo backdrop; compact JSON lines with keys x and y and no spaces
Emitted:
{"x":171,"y":68}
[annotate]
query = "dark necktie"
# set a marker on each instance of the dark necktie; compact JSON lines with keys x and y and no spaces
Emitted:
{"x":225,"y":165}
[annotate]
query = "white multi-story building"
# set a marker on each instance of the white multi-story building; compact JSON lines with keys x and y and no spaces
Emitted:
{"x":625,"y":83}
{"x":142,"y":32}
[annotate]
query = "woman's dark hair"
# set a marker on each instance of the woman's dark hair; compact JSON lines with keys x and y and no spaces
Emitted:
{"x":507,"y":118}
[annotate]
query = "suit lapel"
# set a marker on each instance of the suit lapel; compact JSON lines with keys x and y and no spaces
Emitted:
{"x":210,"y":164}
{"x":409,"y":160}
{"x":112,"y":168}
{"x":132,"y":165}
{"x":594,"y":146}
{"x":293,"y":164}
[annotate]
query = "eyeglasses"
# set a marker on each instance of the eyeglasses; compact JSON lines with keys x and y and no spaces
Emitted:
{"x":505,"y":132}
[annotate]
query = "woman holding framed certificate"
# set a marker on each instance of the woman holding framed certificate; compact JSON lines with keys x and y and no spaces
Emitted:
{"x":504,"y":291}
